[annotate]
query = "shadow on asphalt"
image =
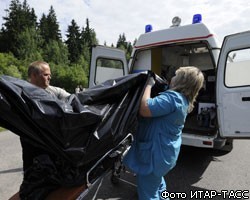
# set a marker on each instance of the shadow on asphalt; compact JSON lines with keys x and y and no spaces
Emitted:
{"x":11,"y":170}
{"x":190,"y":167}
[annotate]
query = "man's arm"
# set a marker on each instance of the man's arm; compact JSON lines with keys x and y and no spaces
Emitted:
{"x":58,"y":92}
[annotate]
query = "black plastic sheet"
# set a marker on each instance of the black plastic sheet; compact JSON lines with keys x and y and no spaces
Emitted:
{"x":75,"y":132}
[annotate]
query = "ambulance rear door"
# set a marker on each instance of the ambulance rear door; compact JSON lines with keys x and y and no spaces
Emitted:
{"x":233,"y":86}
{"x":106,"y":63}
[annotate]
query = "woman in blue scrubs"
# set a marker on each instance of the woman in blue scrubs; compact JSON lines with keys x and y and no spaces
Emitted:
{"x":156,"y":147}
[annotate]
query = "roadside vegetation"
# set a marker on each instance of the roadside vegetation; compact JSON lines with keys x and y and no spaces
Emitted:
{"x":24,"y":38}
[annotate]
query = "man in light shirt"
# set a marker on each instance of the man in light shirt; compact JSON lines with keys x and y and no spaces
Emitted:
{"x":39,"y":74}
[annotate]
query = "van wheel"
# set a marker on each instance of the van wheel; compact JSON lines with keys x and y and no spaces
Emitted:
{"x":228,"y":146}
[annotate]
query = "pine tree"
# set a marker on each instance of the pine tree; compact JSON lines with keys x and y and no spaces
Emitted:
{"x":19,"y":17}
{"x":49,"y":27}
{"x":124,"y":45}
{"x":54,"y":31}
{"x":43,"y":27}
{"x":129,"y":50}
{"x":29,"y":45}
{"x":88,"y":35}
{"x":74,"y":42}
{"x":88,"y":39}
{"x":56,"y":52}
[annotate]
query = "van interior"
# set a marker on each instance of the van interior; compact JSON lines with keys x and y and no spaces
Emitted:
{"x":165,"y":60}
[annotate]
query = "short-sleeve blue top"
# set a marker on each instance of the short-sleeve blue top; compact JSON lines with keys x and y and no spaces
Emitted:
{"x":158,"y":138}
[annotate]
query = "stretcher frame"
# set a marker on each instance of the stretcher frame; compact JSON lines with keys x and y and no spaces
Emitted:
{"x":80,"y":192}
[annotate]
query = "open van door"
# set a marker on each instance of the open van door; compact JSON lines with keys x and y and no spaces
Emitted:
{"x":106,"y":63}
{"x":233,"y":86}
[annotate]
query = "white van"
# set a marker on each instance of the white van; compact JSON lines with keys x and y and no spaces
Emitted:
{"x":222,"y":110}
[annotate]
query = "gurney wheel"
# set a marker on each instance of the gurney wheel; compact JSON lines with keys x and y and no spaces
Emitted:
{"x":114,"y":179}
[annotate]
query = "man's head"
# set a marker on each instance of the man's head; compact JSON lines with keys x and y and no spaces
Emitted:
{"x":39,"y":74}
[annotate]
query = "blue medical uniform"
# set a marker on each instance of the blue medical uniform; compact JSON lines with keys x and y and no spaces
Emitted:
{"x":156,"y":147}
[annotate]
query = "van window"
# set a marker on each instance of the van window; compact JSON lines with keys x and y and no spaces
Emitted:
{"x":238,"y":68}
{"x":108,"y":69}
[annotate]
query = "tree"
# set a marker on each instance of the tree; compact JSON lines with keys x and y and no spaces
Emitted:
{"x":29,"y":45}
{"x":19,"y":17}
{"x":88,"y":39}
{"x":49,"y":27}
{"x":88,"y":36}
{"x":68,"y":77}
{"x":84,"y":59}
{"x":10,"y":65}
{"x":43,"y":27}
{"x":56,"y":52}
{"x":124,"y":45}
{"x":129,"y":50}
{"x":4,"y":47}
{"x":74,"y":42}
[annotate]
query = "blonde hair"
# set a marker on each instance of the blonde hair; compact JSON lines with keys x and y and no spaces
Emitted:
{"x":188,"y":81}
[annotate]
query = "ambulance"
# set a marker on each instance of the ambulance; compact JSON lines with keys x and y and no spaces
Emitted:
{"x":222,"y":109}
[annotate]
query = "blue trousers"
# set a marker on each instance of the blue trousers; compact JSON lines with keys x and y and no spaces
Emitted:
{"x":149,"y":187}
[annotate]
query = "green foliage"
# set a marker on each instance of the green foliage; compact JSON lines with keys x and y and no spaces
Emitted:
{"x":88,"y":35}
{"x":9,"y":65}
{"x":68,"y":77}
{"x":74,"y":42}
{"x":29,"y":45}
{"x":124,"y":45}
{"x":23,"y":40}
{"x":49,"y":27}
{"x":103,"y":62}
{"x":19,"y":17}
{"x":75,"y":76}
{"x":12,"y":70}
{"x":84,"y":59}
{"x":56,"y":52}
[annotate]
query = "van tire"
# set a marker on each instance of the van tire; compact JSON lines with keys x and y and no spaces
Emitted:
{"x":228,"y":147}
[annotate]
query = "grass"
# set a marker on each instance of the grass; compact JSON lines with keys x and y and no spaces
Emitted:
{"x":2,"y":129}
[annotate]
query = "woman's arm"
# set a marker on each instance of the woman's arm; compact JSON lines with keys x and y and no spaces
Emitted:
{"x":144,"y":109}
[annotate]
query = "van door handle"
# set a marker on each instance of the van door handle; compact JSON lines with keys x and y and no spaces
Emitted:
{"x":245,"y":98}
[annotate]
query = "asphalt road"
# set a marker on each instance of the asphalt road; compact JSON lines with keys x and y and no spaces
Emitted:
{"x":10,"y":164}
{"x":199,"y":174}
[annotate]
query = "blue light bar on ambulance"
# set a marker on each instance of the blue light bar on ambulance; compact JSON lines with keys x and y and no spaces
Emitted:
{"x":197,"y":18}
{"x":148,"y":28}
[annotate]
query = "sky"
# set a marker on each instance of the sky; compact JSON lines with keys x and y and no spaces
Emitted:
{"x":112,"y":18}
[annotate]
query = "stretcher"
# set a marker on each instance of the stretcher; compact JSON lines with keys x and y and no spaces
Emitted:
{"x":109,"y":164}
